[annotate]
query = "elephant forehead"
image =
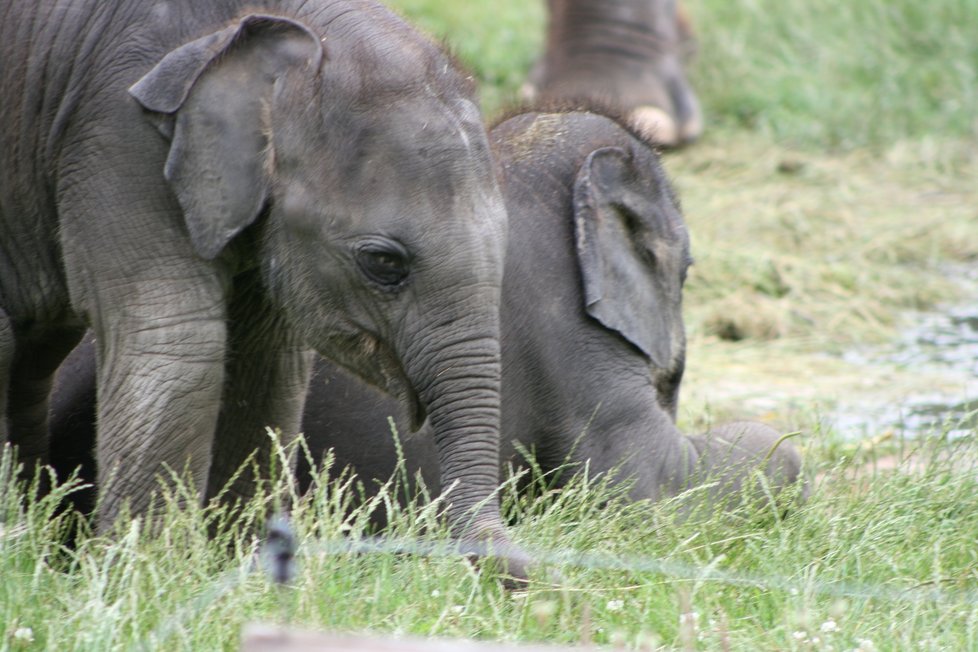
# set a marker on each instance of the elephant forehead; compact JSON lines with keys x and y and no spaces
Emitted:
{"x":411,"y":149}
{"x":384,"y":55}
{"x":433,"y":128}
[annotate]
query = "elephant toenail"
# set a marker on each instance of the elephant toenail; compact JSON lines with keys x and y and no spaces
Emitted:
{"x":656,"y":125}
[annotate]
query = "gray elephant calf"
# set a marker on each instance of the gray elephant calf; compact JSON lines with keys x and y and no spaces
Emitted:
{"x":592,"y":332}
{"x":216,"y":188}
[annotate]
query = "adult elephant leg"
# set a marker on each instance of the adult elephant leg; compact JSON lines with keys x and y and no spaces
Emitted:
{"x":268,"y":373}
{"x":159,"y":390}
{"x":628,"y":53}
{"x":32,"y":374}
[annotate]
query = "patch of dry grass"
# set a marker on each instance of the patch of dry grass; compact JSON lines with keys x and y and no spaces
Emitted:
{"x":801,"y":256}
{"x":825,"y":248}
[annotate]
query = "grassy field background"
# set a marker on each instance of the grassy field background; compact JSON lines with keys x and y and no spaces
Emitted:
{"x":835,"y":189}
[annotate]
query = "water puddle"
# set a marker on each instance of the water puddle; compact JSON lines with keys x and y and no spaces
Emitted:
{"x":944,"y":342}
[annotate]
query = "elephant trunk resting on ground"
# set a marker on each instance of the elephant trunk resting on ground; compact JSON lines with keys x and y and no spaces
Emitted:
{"x":592,"y":332}
{"x":216,"y":188}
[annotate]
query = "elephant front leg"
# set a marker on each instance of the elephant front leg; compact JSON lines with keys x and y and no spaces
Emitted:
{"x":31,"y":371}
{"x":159,"y":391}
{"x":267,"y":377}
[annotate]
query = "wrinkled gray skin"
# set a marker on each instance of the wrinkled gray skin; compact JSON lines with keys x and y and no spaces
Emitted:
{"x":215,"y":191}
{"x":629,"y":54}
{"x":593,"y":341}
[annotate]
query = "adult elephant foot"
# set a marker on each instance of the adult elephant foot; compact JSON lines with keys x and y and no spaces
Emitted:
{"x":628,"y":54}
{"x":730,"y":456}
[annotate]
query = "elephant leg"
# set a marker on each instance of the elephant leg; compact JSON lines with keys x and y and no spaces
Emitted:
{"x":159,"y":391}
{"x":267,"y":376}
{"x":32,"y":374}
{"x":7,"y":349}
{"x":72,"y":423}
{"x":158,"y":314}
{"x":627,"y":53}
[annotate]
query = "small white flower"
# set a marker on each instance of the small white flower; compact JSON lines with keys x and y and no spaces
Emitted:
{"x":24,"y":635}
{"x":690,"y":617}
{"x":458,"y":609}
{"x":615,"y":605}
{"x":436,"y":593}
{"x":799,"y":635}
{"x":865,"y":645}
{"x":829,"y":626}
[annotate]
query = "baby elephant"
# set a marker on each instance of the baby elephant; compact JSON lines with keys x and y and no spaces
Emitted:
{"x":593,"y":342}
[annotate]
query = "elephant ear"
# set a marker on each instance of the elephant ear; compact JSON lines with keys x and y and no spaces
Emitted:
{"x":631,"y":249}
{"x":214,"y":93}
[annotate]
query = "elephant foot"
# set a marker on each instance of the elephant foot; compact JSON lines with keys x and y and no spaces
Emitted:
{"x":645,"y":81}
{"x":730,"y":455}
{"x":672,"y":121}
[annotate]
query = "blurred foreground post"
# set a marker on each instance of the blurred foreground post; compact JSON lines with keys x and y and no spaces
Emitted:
{"x":271,"y":638}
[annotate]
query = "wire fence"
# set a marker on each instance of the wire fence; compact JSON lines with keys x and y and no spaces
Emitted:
{"x":279,"y":554}
{"x":562,"y":558}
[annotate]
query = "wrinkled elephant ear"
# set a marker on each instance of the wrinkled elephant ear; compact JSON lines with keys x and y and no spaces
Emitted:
{"x":631,"y":247}
{"x":215,"y":93}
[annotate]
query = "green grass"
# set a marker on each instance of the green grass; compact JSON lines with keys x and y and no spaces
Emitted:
{"x":886,"y":556}
{"x":840,"y":75}
{"x":832,"y":191}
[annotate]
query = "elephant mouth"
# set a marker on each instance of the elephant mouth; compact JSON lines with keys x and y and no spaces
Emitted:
{"x":371,"y":359}
{"x":399,"y":387}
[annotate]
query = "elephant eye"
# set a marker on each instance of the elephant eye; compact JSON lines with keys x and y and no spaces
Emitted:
{"x":385,"y":262}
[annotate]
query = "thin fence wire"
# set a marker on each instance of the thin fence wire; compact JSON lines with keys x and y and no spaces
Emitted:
{"x":562,"y":558}
{"x":565,"y":558}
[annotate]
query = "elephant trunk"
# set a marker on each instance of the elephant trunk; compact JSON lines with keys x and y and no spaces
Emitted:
{"x":458,"y":381}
